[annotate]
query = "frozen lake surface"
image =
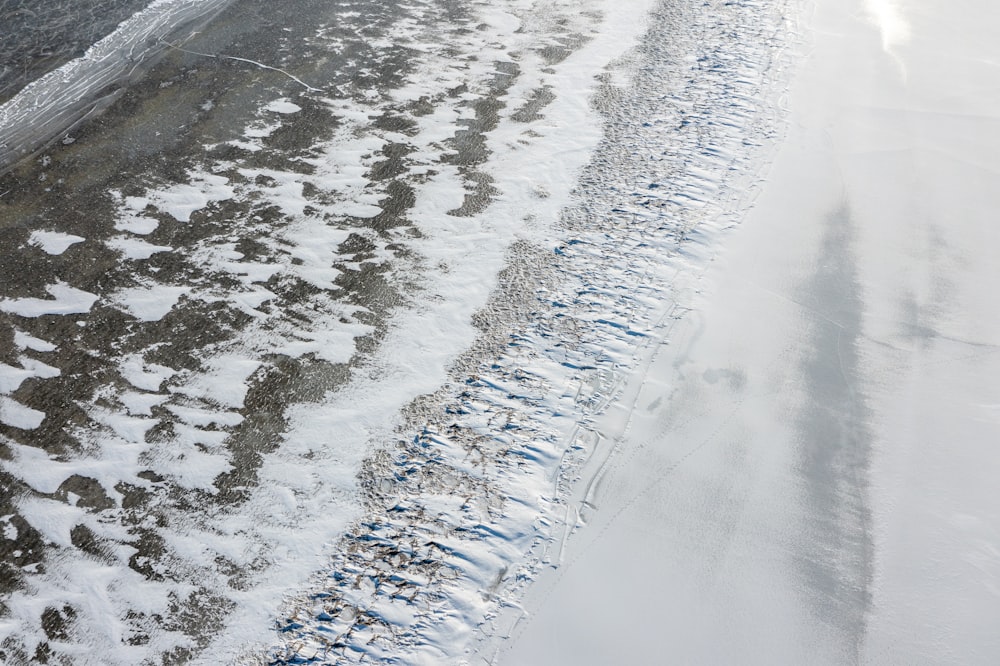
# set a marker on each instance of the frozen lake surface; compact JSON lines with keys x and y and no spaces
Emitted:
{"x":41,"y":35}
{"x":805,"y":474}
{"x":527,"y":332}
{"x":64,"y":62}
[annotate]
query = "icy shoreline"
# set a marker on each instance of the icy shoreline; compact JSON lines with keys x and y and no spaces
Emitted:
{"x":53,"y":104}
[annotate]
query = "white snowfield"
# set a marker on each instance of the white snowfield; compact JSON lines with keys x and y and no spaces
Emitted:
{"x":808,"y":472}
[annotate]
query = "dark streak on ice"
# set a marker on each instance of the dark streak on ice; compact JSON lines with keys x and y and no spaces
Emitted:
{"x":836,"y":440}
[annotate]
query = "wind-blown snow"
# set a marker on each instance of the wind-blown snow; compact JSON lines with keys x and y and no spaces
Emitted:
{"x":474,"y":504}
{"x":183,"y":200}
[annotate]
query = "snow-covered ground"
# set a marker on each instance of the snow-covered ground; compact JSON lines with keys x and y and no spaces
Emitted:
{"x":807,"y":472}
{"x":264,"y":315}
{"x":521,"y":332}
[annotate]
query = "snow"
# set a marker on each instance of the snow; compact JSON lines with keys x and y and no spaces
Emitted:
{"x":37,"y":368}
{"x":888,"y":17}
{"x":283,"y":106}
{"x":223,"y":383}
{"x":10,"y":531}
{"x":287,"y":191}
{"x":53,"y":242}
{"x":190,"y":466}
{"x":65,"y":300}
{"x":15,"y":414}
{"x":131,"y":217}
{"x":184,"y":199}
{"x":139,"y":404}
{"x":358,"y":209}
{"x":471,"y":250}
{"x":151,"y":303}
{"x":642,"y":455}
{"x":25,"y":341}
{"x":135,"y":248}
{"x":146,"y":376}
{"x":130,"y":429}
{"x":11,"y":378}
{"x":137,"y":224}
{"x":537,"y":389}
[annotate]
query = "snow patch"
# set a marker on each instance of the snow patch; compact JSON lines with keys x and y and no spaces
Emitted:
{"x":135,"y":248}
{"x":16,"y":415}
{"x":65,"y":300}
{"x":283,"y":106}
{"x":142,"y":375}
{"x":182,"y":200}
{"x":53,"y":242}
{"x":25,"y":341}
{"x":152,"y":302}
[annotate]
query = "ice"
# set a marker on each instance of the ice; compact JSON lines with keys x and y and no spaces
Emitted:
{"x":49,"y":105}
